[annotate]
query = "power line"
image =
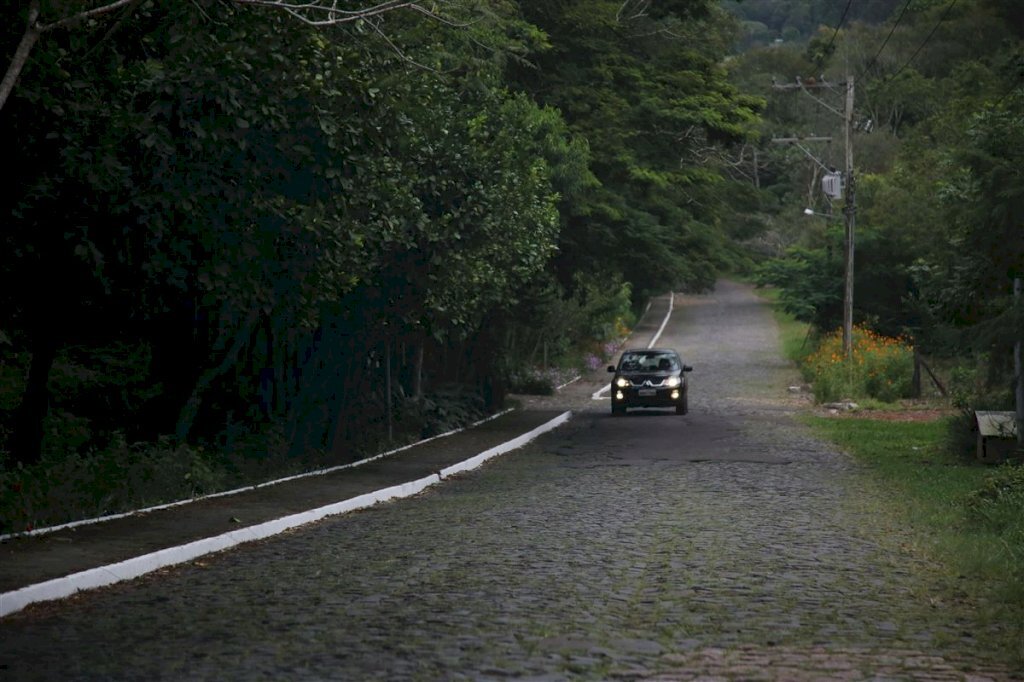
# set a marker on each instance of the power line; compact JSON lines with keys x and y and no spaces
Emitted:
{"x":1006,"y":94}
{"x":885,"y":42}
{"x":838,"y":26}
{"x":921,"y":46}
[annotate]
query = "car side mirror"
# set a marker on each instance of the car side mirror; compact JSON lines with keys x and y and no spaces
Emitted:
{"x":611,"y":368}
{"x":687,"y":368}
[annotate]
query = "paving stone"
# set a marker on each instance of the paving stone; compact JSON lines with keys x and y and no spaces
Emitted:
{"x":725,"y":544}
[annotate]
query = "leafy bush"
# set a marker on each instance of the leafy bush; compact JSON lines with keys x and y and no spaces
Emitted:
{"x":880,"y":367}
{"x":68,"y":485}
{"x":449,"y":407}
{"x":119,"y":478}
{"x":970,"y":391}
{"x":593,"y":347}
{"x":532,"y":382}
{"x":998,"y":506}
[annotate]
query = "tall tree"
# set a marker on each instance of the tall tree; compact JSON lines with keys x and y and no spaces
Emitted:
{"x":645,"y":89}
{"x":223,"y":184}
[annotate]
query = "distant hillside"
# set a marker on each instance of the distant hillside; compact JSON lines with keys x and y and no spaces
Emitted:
{"x":765,"y":21}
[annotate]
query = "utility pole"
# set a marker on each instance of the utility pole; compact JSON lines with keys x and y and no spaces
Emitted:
{"x":1018,"y":366}
{"x":850,"y":211}
{"x":850,"y":207}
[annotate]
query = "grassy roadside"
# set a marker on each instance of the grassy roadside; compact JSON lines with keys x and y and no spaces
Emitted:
{"x":794,"y":336}
{"x":966,"y":518}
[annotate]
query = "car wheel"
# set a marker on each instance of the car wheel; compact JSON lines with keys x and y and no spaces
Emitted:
{"x":683,"y":407}
{"x":618,"y":410}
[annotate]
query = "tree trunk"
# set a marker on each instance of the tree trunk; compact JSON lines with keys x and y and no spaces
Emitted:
{"x":34,"y":29}
{"x":188,"y":414}
{"x":345,"y":373}
{"x":417,"y":373}
{"x":35,"y":404}
{"x":388,"y":391}
{"x":915,"y":382}
{"x":28,"y":41}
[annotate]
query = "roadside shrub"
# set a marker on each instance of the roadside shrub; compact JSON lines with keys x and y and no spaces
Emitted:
{"x":880,"y":367}
{"x":998,"y":506}
{"x":449,"y":407}
{"x":119,"y":478}
{"x":605,"y":352}
{"x":591,"y":356}
{"x":533,"y":382}
{"x":969,"y":391}
{"x":122,"y":476}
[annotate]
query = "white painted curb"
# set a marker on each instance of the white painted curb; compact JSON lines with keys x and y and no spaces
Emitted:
{"x":671,"y":305}
{"x":599,"y":394}
{"x":474,"y":462}
{"x":225,"y":493}
{"x":58,"y":588}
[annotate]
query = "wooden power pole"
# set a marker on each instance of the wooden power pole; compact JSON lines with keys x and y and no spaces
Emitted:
{"x":850,"y":207}
{"x":1018,"y":366}
{"x":850,"y":211}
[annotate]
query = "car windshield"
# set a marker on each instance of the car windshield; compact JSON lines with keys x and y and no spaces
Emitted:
{"x":648,"y":362}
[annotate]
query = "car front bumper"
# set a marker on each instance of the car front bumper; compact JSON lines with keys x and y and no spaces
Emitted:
{"x":652,"y":397}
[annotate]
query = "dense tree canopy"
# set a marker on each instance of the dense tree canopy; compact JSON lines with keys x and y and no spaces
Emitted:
{"x":226,"y":224}
{"x":255,"y":220}
{"x":649,"y":95}
{"x":939,"y":224}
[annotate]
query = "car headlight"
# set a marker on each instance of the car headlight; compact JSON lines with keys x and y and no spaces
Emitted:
{"x":672,"y":382}
{"x":622,"y":382}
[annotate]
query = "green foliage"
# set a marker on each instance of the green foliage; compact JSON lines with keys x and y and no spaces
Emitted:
{"x":531,"y":382}
{"x":249,"y":216}
{"x":71,"y":486}
{"x":938,"y":189}
{"x":556,"y":327}
{"x":971,"y":389}
{"x":809,"y":282}
{"x":448,"y":407}
{"x":810,"y":279}
{"x":231,"y":184}
{"x":879,"y":367}
{"x":796,"y":20}
{"x":998,"y":505}
{"x":649,"y":96}
{"x":969,"y":517}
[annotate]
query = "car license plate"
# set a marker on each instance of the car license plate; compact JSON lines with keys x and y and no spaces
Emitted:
{"x":647,"y":392}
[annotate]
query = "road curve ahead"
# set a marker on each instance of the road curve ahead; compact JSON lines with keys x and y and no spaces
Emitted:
{"x":724,"y":544}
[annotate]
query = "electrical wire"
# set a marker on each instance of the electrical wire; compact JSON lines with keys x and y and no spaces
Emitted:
{"x":838,"y":26}
{"x":885,"y":42}
{"x":925,"y":42}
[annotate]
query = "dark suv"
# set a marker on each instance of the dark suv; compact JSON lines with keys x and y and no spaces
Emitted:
{"x":650,"y":377}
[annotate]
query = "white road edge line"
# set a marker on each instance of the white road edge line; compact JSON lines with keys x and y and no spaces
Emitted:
{"x":570,"y":381}
{"x":318,"y":472}
{"x":58,"y":588}
{"x":474,"y":462}
{"x":671,"y":300}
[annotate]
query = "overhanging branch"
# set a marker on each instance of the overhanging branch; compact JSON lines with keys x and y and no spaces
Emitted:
{"x":329,"y":13}
{"x":311,"y":12}
{"x":35,"y":28}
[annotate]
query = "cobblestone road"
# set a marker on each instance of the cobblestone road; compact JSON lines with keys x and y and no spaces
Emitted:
{"x":727,"y":544}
